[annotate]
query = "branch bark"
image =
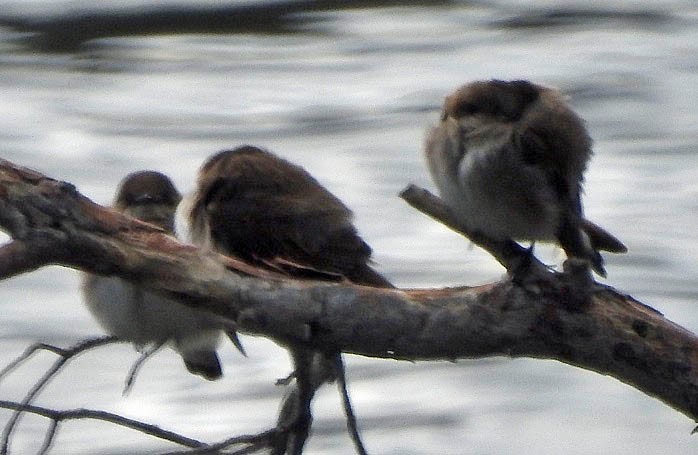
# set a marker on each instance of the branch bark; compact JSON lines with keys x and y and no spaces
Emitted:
{"x":51,"y":223}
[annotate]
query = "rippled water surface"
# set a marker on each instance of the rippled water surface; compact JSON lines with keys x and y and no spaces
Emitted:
{"x":348,"y":94}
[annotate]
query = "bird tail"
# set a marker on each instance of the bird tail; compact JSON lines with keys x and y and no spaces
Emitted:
{"x":203,"y":363}
{"x":232,"y":335}
{"x":199,"y":353}
{"x":601,"y":239}
{"x":366,"y":276}
{"x":583,"y":239}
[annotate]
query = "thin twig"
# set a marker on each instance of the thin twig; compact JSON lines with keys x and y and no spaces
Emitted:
{"x":136,"y":367}
{"x":74,"y":414}
{"x":34,"y":348}
{"x":65,"y":355}
{"x":28,"y":352}
{"x":348,"y":408}
{"x":50,"y":436}
{"x":256,"y":442}
{"x":429,"y":204}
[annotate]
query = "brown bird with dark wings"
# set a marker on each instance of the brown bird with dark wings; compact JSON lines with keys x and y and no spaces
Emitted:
{"x":261,"y":208}
{"x":508,"y":158}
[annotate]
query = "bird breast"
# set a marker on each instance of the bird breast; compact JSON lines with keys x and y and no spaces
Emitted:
{"x":482,"y":177}
{"x":141,"y":317}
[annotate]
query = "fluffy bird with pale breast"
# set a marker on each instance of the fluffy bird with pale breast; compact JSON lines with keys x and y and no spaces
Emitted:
{"x":131,"y":313}
{"x":508,"y":159}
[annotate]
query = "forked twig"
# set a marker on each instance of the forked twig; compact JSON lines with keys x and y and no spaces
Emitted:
{"x":136,"y":367}
{"x":34,"y":348}
{"x":255,"y":442}
{"x":65,"y":355}
{"x":74,"y":414}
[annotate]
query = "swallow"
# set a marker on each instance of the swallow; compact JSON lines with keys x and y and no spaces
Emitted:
{"x":270,"y":212}
{"x":508,"y":159}
{"x":130,"y":312}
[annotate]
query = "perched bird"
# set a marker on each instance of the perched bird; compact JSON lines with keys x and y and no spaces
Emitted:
{"x":270,"y":212}
{"x":131,"y":313}
{"x":508,"y":159}
{"x":259,"y":207}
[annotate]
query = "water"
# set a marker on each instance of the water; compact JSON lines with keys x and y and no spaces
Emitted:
{"x":349,"y":95}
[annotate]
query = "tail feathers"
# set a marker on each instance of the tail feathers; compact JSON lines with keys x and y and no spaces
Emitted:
{"x":578,"y":244}
{"x":596,"y":262}
{"x":204,"y":364}
{"x":601,"y":239}
{"x":233,"y":337}
{"x":366,"y":276}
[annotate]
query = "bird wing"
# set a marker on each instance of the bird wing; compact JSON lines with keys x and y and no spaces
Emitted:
{"x":287,"y":220}
{"x":541,"y":148}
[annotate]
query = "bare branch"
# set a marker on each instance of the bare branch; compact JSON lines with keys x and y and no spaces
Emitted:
{"x":65,"y":355}
{"x":250,"y":443}
{"x":352,"y":426}
{"x":50,"y":436}
{"x":613,"y":335}
{"x":20,"y":256}
{"x":75,"y":414}
{"x":136,"y":367}
{"x":504,"y":252}
{"x":253,"y":443}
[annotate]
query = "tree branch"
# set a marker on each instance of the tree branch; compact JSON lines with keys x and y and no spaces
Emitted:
{"x":613,"y":335}
{"x":504,"y":252}
{"x":64,"y":356}
{"x":249,"y":443}
{"x":73,"y":414}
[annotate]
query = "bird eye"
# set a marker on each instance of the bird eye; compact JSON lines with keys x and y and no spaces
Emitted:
{"x":145,"y":198}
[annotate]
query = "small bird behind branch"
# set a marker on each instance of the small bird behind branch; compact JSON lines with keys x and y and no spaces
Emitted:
{"x":131,"y":313}
{"x":508,"y":158}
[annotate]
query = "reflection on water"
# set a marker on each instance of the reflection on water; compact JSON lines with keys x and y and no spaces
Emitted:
{"x":348,"y":95}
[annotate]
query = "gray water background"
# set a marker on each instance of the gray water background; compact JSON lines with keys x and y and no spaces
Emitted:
{"x":349,"y":95}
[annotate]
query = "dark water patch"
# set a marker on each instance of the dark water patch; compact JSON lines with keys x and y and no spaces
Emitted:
{"x":565,"y":17}
{"x":66,"y":32}
{"x":383,"y":47}
{"x":611,"y":87}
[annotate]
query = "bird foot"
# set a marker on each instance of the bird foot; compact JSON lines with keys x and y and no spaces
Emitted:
{"x":526,"y":271}
{"x":578,"y":283}
{"x":520,"y":266}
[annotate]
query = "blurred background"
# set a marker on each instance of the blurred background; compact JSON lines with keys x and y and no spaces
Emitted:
{"x":92,"y":91}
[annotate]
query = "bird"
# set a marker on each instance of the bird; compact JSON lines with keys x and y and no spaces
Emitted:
{"x":259,"y":207}
{"x":508,"y":159}
{"x":130,"y":312}
{"x":272,"y":213}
